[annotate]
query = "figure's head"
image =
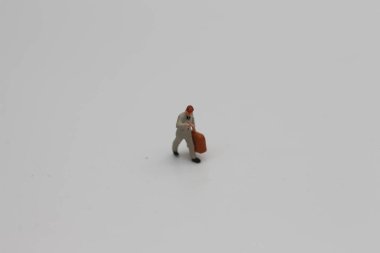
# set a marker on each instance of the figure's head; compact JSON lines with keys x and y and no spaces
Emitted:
{"x":189,"y":109}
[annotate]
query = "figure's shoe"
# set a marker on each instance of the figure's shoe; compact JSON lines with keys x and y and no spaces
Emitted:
{"x":196,"y":160}
{"x":175,"y":153}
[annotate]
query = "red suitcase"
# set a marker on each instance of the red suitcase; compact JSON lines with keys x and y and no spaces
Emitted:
{"x":199,"y":142}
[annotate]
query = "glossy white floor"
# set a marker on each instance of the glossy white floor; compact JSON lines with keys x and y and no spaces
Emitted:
{"x":286,"y":92}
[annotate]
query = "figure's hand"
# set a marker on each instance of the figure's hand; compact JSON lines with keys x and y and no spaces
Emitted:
{"x":192,"y":126}
{"x":188,"y":125}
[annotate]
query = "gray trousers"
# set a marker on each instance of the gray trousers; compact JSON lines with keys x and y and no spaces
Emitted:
{"x":184,"y":134}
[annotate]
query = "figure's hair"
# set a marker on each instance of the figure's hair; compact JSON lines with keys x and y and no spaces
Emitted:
{"x":189,"y":108}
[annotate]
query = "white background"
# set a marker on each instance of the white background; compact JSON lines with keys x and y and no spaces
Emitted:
{"x":286,"y":93}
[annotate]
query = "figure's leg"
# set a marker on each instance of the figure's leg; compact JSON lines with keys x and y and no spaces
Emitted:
{"x":190,"y":145}
{"x":176,"y":143}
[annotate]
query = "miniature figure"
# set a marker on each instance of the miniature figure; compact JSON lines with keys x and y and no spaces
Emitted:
{"x":185,"y":125}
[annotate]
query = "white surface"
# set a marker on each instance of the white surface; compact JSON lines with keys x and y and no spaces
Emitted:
{"x":286,"y":92}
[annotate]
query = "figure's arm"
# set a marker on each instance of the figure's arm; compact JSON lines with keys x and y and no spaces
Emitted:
{"x":180,"y":124}
{"x":193,"y":123}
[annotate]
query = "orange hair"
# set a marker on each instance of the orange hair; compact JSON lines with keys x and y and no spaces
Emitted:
{"x":189,"y":108}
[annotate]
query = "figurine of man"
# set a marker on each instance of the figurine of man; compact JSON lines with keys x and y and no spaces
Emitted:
{"x":185,"y":124}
